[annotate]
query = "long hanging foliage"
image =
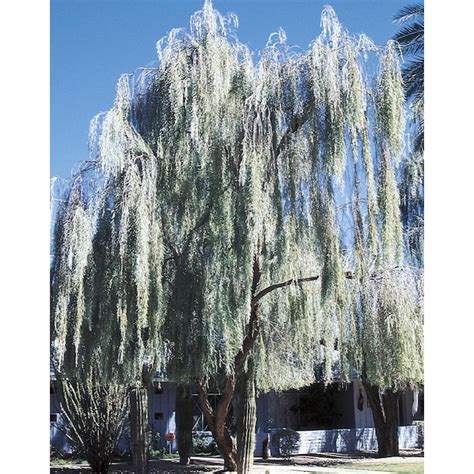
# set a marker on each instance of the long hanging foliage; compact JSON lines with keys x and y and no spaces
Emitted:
{"x":224,"y":190}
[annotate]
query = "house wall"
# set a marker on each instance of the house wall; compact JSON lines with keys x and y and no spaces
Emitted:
{"x":57,"y":438}
{"x":279,"y":411}
{"x":164,"y":404}
{"x":346,"y":440}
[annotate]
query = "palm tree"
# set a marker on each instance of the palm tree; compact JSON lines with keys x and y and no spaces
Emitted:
{"x":411,"y":40}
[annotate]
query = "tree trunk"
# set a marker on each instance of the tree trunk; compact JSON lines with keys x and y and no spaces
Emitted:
{"x":225,"y":444}
{"x":246,"y":418}
{"x":266,"y":448}
{"x":98,"y":465}
{"x":216,"y":420}
{"x":385,"y":413}
{"x":184,"y":422}
{"x":139,"y":428}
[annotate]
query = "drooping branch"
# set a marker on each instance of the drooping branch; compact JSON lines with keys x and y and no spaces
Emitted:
{"x":270,"y":288}
{"x":253,"y":326}
{"x":296,"y":281}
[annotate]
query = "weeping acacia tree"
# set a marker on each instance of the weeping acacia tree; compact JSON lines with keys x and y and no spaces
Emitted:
{"x":207,"y":237}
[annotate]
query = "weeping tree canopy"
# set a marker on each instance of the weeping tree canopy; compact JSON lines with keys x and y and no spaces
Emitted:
{"x":219,"y":185}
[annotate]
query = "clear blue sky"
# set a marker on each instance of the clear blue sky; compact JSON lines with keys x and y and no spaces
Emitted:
{"x":94,"y":41}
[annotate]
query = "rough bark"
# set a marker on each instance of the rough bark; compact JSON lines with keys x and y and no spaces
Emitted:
{"x":184,"y":422}
{"x":266,"y":448}
{"x":216,"y":420}
{"x":384,"y":407}
{"x":139,"y":428}
{"x":246,"y":418}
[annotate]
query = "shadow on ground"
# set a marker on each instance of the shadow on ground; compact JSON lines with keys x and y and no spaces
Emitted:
{"x":215,"y":464}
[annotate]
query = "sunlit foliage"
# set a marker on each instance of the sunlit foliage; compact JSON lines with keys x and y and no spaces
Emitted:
{"x":214,"y":165}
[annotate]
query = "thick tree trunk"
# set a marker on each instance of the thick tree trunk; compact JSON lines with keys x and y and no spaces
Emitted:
{"x":139,"y":428}
{"x":184,"y":422}
{"x":385,"y":413}
{"x":246,"y":418}
{"x":216,"y":420}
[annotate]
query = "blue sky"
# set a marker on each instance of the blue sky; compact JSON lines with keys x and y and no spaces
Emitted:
{"x":94,"y":41}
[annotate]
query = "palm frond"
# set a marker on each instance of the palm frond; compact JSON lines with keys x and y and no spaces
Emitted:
{"x":414,"y":77}
{"x":411,"y":38}
{"x":409,"y":13}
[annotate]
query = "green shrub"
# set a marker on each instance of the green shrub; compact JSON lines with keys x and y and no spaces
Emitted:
{"x":161,"y":453}
{"x":287,"y":441}
{"x":154,"y":442}
{"x":204,"y":444}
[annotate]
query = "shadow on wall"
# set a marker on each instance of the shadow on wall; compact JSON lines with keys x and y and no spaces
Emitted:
{"x":286,"y":442}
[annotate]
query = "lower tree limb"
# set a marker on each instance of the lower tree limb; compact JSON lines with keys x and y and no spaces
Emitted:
{"x":246,"y":418}
{"x":184,"y":422}
{"x":385,"y":413}
{"x":216,"y":420}
{"x":139,"y":428}
{"x":226,"y":445}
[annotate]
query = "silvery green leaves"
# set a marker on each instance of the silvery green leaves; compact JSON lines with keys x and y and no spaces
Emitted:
{"x":214,"y":161}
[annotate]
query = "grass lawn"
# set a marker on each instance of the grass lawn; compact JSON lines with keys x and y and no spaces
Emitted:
{"x":402,"y":468}
{"x":62,"y":462}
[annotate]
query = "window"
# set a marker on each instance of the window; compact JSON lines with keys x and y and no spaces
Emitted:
{"x":158,"y":416}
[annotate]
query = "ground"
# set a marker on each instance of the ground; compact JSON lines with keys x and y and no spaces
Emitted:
{"x":410,"y":461}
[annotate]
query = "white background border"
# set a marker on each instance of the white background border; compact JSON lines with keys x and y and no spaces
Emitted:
{"x":24,"y":197}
